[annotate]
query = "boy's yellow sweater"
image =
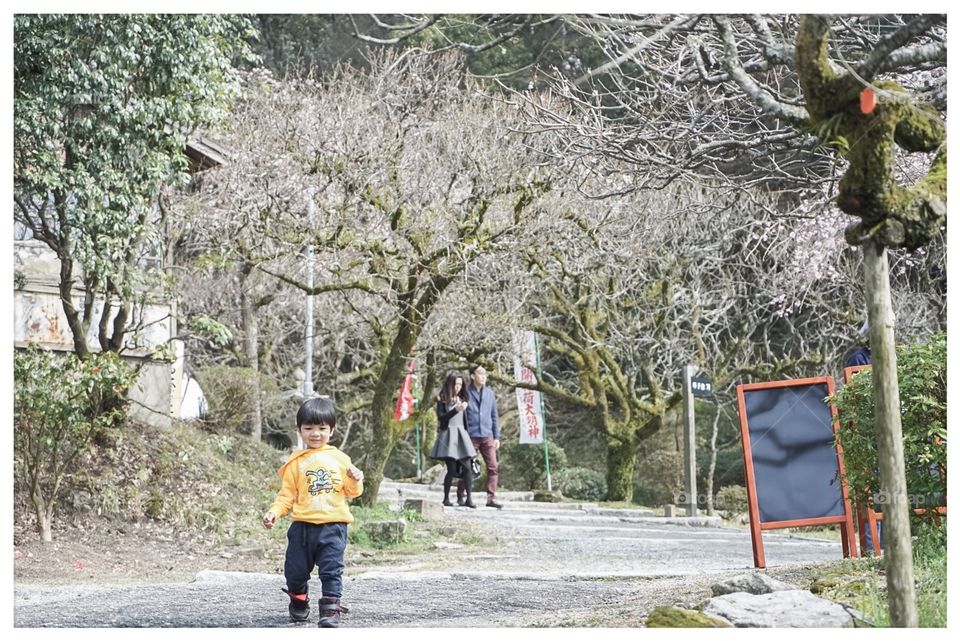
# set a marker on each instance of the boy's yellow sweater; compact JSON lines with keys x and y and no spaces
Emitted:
{"x":316,"y":486}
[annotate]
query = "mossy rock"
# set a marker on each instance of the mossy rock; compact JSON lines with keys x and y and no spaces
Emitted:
{"x":547,"y":497}
{"x":671,"y":617}
{"x":823,"y":583}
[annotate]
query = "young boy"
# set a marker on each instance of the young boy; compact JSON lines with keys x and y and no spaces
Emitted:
{"x":317,"y":481}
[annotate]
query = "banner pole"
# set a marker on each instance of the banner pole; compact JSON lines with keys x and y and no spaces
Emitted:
{"x":419,"y":472}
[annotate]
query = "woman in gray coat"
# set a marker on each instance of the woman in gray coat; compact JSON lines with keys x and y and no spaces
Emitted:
{"x":453,"y":445}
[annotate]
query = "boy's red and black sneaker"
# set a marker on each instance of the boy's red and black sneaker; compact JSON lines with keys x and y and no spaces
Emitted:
{"x":330,"y":609}
{"x":299,"y":606}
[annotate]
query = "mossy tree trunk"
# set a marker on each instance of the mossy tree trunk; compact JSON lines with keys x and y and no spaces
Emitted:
{"x":621,"y":458}
{"x":891,"y":216}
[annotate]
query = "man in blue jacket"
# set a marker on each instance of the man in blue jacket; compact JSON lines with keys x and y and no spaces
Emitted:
{"x":484,"y":429}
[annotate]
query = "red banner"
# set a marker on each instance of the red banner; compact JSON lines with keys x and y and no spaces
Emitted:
{"x":404,"y":408}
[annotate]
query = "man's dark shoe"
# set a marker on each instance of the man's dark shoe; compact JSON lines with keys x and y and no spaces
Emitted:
{"x":299,"y":608}
{"x":470,"y":504}
{"x":492,"y":503}
{"x":330,"y":610}
{"x":447,"y":503}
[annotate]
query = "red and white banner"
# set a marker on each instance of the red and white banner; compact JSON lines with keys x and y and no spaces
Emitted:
{"x":528,"y":400}
{"x":404,"y":408}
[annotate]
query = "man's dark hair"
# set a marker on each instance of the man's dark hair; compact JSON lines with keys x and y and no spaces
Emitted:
{"x":317,"y":411}
{"x":474,"y":368}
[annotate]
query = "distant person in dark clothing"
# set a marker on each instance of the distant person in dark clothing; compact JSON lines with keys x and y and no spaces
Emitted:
{"x":453,"y":445}
{"x":861,"y":355}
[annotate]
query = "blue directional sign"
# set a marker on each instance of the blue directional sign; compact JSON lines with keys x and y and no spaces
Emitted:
{"x":700,"y":386}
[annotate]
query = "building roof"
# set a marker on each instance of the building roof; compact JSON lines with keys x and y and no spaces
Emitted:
{"x":205,"y":154}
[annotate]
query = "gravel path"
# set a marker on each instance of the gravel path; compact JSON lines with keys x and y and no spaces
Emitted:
{"x":571,"y":565}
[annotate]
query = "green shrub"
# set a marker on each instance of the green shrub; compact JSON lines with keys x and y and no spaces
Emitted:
{"x":522,"y":467}
{"x":922,"y":375}
{"x":228,"y":390}
{"x":582,"y":483}
{"x":62,"y":405}
{"x":655,"y":476}
{"x":732,"y":498}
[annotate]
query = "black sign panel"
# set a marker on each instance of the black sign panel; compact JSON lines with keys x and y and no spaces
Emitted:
{"x":794,"y":457}
{"x":701,"y":386}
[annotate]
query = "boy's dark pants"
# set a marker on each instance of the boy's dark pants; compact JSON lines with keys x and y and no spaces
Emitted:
{"x":309,"y":545}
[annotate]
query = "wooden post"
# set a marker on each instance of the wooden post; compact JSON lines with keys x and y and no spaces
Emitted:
{"x":886,"y":402}
{"x":689,"y":443}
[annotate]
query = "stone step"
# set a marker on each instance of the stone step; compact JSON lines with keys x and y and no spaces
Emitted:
{"x":511,"y":500}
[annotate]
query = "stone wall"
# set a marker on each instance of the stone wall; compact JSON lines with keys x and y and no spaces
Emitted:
{"x":39,"y":319}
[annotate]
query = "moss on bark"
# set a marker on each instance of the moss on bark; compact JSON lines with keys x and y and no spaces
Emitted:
{"x":894,"y":215}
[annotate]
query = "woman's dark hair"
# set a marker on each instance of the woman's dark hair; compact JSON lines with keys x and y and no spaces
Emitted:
{"x":317,"y":411}
{"x":447,"y":393}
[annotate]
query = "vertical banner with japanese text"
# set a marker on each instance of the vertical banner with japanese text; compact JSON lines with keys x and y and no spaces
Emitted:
{"x":528,"y":400}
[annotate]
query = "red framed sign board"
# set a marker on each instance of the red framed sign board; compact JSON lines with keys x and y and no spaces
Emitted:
{"x":792,"y":462}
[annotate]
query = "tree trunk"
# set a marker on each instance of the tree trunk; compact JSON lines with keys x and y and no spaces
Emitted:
{"x":44,"y":512}
{"x":384,"y":440}
{"x":251,"y":344}
{"x":386,"y":430}
{"x":886,"y":401}
{"x":621,"y":455}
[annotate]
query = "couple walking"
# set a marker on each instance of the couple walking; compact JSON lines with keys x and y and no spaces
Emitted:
{"x":467,"y":424}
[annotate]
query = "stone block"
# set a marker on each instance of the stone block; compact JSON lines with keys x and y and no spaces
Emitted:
{"x":386,"y":532}
{"x":426,"y":509}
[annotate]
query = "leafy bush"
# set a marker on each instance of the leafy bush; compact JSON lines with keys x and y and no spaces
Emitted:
{"x":922,"y":374}
{"x":522,"y":467}
{"x":732,"y":498}
{"x":582,"y":483}
{"x":655,"y":477}
{"x":228,"y":389}
{"x":61,"y":405}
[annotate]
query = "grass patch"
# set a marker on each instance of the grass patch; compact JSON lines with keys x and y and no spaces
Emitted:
{"x":862,"y":583}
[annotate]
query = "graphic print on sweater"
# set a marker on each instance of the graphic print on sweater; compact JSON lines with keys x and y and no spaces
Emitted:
{"x":323,"y":481}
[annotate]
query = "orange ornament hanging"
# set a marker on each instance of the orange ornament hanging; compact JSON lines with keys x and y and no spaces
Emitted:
{"x":868,"y":100}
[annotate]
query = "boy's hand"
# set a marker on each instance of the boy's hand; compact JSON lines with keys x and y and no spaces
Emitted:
{"x":269,"y":519}
{"x":354,"y":472}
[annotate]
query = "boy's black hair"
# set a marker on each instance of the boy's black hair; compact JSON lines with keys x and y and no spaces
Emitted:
{"x":317,"y":411}
{"x":474,"y":368}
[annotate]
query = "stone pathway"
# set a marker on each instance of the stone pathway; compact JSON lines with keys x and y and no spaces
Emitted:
{"x":553,"y":562}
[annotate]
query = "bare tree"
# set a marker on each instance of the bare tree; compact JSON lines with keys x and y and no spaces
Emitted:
{"x":767,"y":100}
{"x":414,"y":175}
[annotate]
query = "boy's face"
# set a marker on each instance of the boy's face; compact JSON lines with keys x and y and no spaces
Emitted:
{"x":315,"y":435}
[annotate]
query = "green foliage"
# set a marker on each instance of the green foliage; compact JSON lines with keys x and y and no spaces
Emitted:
{"x":524,"y":467}
{"x":227,"y":390}
{"x":582,"y":483}
{"x":732,"y":498}
{"x":922,"y":375}
{"x":655,"y":477}
{"x":103,"y":108}
{"x":61,"y":405}
{"x":19,"y":279}
{"x":216,"y":333}
{"x":867,"y":592}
